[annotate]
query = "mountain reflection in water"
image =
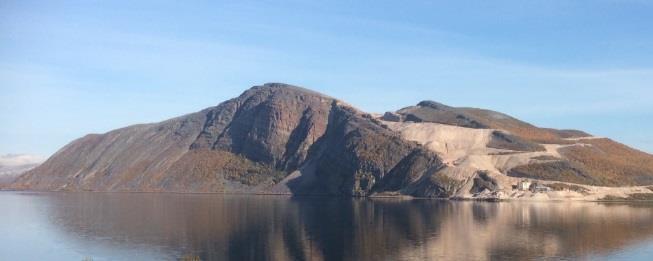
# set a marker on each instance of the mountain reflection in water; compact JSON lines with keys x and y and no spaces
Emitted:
{"x":231,"y":227}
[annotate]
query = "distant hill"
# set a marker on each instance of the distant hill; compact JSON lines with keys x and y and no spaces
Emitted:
{"x":12,"y":165}
{"x":283,"y":139}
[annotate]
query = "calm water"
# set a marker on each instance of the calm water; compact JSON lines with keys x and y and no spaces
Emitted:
{"x":123,"y":226}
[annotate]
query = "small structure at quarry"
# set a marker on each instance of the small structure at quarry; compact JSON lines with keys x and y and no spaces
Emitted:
{"x":524,"y":185}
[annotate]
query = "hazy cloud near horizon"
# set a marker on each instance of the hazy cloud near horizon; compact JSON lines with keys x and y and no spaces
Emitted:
{"x":72,"y":68}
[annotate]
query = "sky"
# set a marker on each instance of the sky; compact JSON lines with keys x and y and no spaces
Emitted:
{"x":71,"y":68}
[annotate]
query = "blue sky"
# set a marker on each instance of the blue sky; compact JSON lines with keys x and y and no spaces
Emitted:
{"x":72,"y":68}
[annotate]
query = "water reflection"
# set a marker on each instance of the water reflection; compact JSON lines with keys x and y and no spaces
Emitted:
{"x":216,"y":227}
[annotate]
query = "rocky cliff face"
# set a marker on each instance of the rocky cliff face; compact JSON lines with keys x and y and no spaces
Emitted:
{"x":278,"y":138}
{"x":273,"y":124}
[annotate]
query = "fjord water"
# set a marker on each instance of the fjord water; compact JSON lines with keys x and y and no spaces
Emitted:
{"x":150,"y":226}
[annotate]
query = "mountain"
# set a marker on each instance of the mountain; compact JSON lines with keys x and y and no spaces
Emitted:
{"x":283,"y":139}
{"x":12,"y":165}
{"x":273,"y":138}
{"x":572,"y":155}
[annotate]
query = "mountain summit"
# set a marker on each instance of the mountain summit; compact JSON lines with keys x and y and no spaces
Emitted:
{"x":283,"y":139}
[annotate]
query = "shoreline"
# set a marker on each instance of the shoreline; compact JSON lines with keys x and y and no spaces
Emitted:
{"x":371,"y":197}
